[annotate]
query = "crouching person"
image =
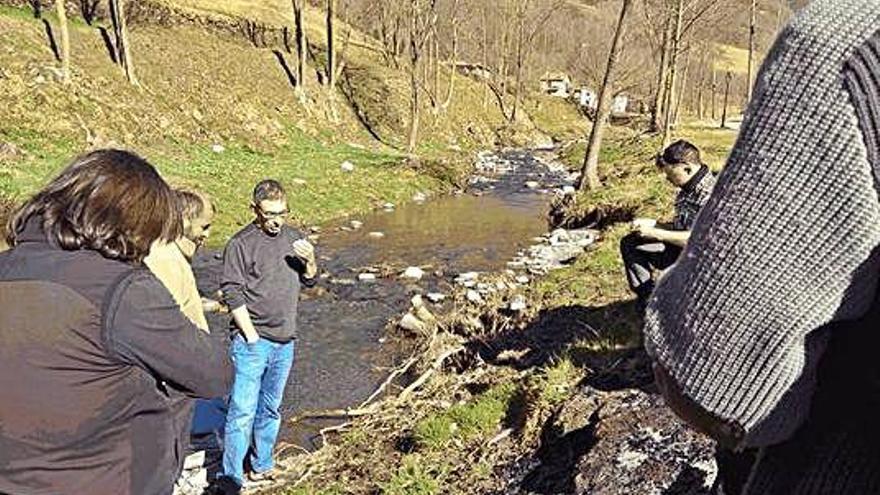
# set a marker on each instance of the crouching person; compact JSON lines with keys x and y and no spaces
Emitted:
{"x":91,"y":343}
{"x":650,"y":247}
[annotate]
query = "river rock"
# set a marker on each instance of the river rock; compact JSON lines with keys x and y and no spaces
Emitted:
{"x":523,"y":279}
{"x":413,"y":273}
{"x":420,"y":197}
{"x":518,"y":303}
{"x":217,"y":148}
{"x":436,"y":297}
{"x":467,"y":277}
{"x":367,"y":277}
{"x":413,"y":324}
{"x":474,"y":297}
{"x":347,"y":166}
{"x":376,"y":235}
{"x":532,"y":184}
{"x":388,"y":207}
{"x":356,"y":224}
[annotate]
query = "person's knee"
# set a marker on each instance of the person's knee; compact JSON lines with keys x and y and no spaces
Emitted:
{"x":628,"y":244}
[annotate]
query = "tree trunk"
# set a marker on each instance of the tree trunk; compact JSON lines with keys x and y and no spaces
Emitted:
{"x":682,"y":88}
{"x":751,"y":67}
{"x":590,"y":173}
{"x":331,"y":45}
{"x":671,"y":80}
{"x":117,"y":10}
{"x":520,"y":50}
{"x":453,"y":62}
{"x":65,"y":41}
{"x":301,"y":48}
{"x":714,"y":90}
{"x":485,"y":49}
{"x":726,"y":96}
{"x":659,"y":97}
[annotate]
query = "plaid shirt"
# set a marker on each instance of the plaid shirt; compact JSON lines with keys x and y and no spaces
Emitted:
{"x":691,"y":198}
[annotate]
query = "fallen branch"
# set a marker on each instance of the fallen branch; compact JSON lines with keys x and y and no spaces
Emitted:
{"x":404,"y":395}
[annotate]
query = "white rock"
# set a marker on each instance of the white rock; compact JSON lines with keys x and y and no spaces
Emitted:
{"x":413,"y":273}
{"x":356,"y":224}
{"x":411,"y":323}
{"x":631,"y":459}
{"x":376,"y":235}
{"x":518,"y":303}
{"x":523,"y":279}
{"x":347,"y":166}
{"x":420,"y":197}
{"x":474,"y":297}
{"x":217,"y":148}
{"x":367,"y":277}
{"x":467,"y":276}
{"x":436,"y":297}
{"x":532,"y":184}
{"x":388,"y":206}
{"x":567,"y":190}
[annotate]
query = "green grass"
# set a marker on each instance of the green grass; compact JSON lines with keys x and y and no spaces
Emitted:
{"x":465,"y":422}
{"x":228,"y":176}
{"x":415,"y":476}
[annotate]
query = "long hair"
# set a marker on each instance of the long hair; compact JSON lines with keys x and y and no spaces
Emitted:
{"x":110,"y":201}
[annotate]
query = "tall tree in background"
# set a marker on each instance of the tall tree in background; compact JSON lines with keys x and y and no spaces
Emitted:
{"x":450,"y":88}
{"x":422,"y":18}
{"x":301,"y":47}
{"x":590,"y":172}
{"x":752,"y":15}
{"x":669,"y":92}
{"x":662,"y":71}
{"x":123,"y":51}
{"x":331,"y":45}
{"x":65,"y":41}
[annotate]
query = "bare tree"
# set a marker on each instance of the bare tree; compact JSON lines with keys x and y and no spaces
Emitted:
{"x":301,"y":46}
{"x":422,"y":18}
{"x":450,"y":88}
{"x":752,"y":14}
{"x":671,"y":77}
{"x":123,"y":50}
{"x":590,"y":172}
{"x":65,"y":41}
{"x":331,"y":45}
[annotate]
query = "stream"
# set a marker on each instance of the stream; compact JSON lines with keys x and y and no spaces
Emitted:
{"x":343,"y":352}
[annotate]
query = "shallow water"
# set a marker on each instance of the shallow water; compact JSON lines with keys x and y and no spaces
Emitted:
{"x":341,"y":352}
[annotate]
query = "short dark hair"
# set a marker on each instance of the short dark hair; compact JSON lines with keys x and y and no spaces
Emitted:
{"x":192,"y":203}
{"x":110,"y":201}
{"x":679,"y":153}
{"x":268,"y":189}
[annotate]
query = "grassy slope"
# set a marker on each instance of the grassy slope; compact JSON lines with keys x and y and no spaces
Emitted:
{"x":201,"y":90}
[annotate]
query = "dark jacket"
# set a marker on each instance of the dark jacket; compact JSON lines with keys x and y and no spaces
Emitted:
{"x":89,"y":349}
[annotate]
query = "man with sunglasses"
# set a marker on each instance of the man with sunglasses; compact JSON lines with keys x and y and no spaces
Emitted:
{"x":265,"y":265}
{"x":650,"y":247}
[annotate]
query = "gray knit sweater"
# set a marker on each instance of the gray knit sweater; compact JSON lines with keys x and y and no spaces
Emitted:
{"x":784,"y":245}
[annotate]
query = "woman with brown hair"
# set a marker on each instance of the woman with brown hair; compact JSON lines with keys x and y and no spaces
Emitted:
{"x":91,"y":343}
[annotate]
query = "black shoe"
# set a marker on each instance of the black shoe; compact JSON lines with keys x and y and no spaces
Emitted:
{"x":224,"y":486}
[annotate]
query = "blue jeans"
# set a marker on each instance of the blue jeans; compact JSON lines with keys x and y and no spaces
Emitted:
{"x":253,"y":419}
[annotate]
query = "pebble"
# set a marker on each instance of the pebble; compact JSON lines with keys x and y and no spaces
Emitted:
{"x":218,"y":148}
{"x":413,"y":273}
{"x":436,"y":297}
{"x":367,"y":277}
{"x":356,"y":224}
{"x":474,"y":297}
{"x":518,"y":303}
{"x":347,"y":166}
{"x":532,"y":184}
{"x":376,"y":235}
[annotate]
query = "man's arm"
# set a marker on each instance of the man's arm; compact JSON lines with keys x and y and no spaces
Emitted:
{"x":243,"y":320}
{"x":675,"y":237}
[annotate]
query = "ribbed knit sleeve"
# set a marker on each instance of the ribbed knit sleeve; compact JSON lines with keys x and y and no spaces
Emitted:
{"x":785,"y":244}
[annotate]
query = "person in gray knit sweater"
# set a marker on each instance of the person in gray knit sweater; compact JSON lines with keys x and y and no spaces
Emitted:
{"x":763,"y":335}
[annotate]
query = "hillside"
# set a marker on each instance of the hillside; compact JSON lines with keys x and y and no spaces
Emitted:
{"x":217,"y":112}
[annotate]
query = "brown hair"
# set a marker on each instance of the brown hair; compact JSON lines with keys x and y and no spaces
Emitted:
{"x":192,"y":203}
{"x":268,"y":189}
{"x":110,"y":201}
